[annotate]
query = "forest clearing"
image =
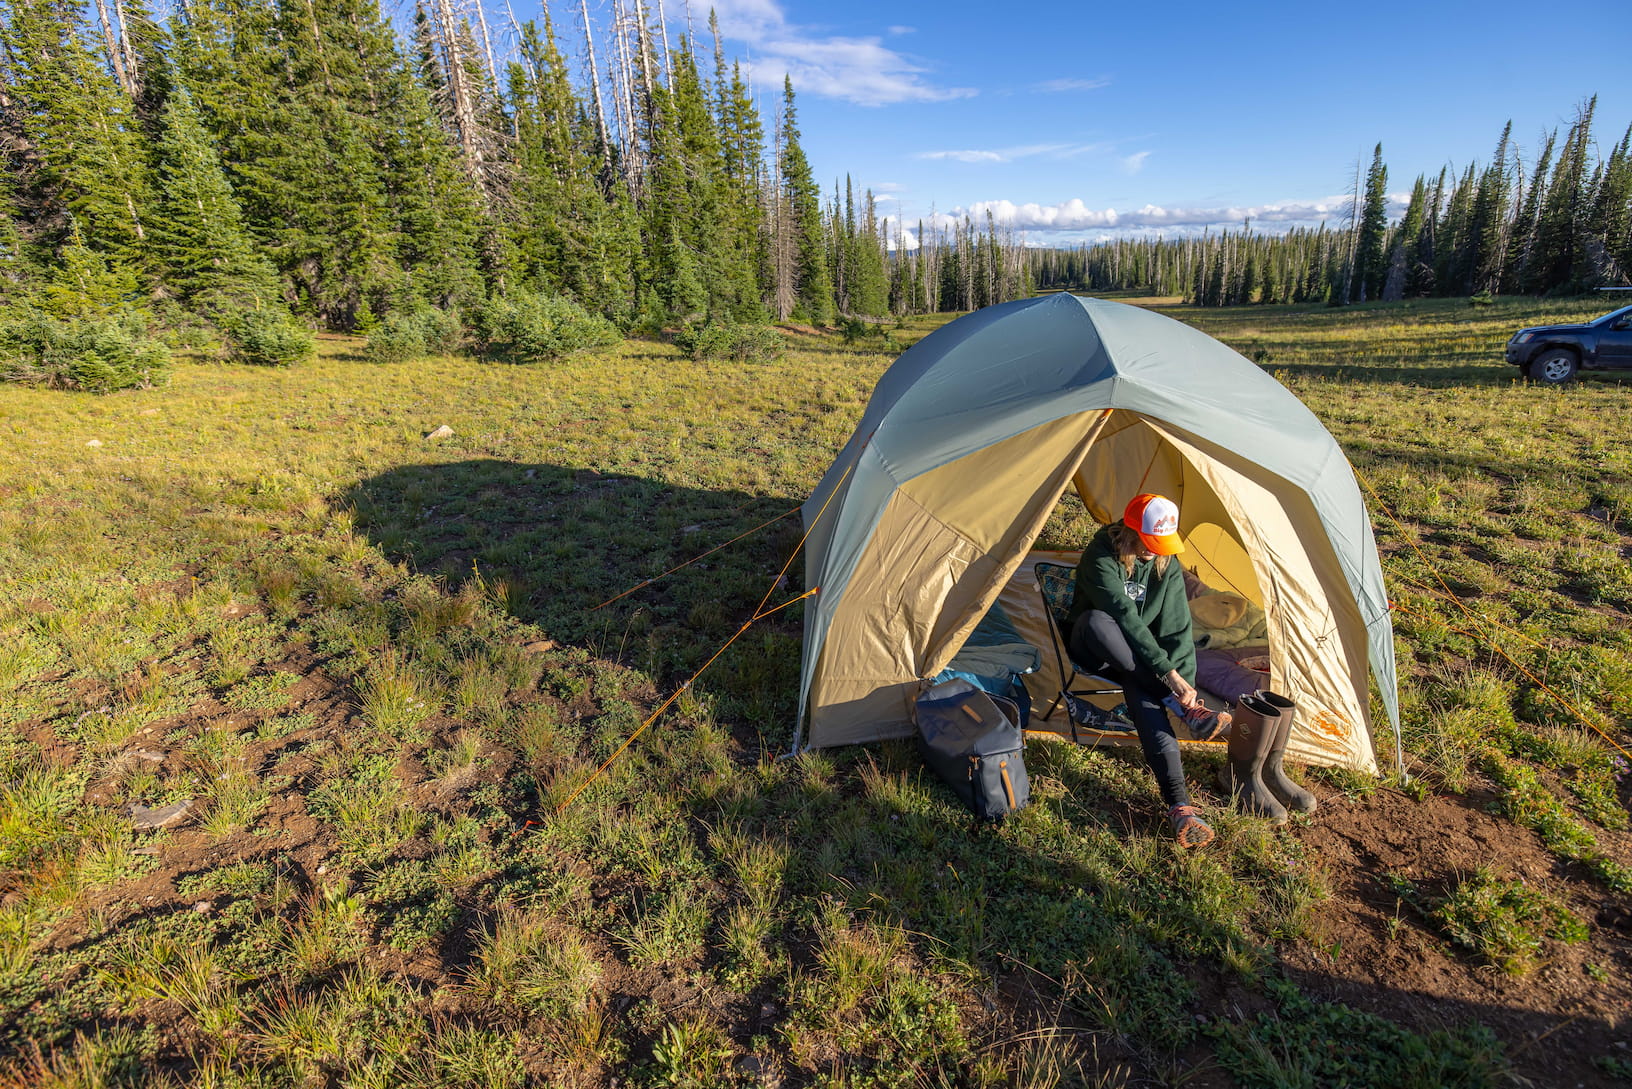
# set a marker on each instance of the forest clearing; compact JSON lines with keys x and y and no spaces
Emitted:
{"x":351,"y":668}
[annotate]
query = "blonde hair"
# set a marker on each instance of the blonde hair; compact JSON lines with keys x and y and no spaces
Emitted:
{"x":1128,"y":546}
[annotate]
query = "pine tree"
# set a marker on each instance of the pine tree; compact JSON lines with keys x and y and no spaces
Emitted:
{"x":83,"y":160}
{"x":569,"y":234}
{"x":1611,"y":221}
{"x":1371,"y":257}
{"x":742,"y":150}
{"x":204,"y":254}
{"x":1489,"y":220}
{"x":1524,"y":258}
{"x":813,"y":288}
{"x":442,"y":227}
{"x":1402,"y":261}
{"x":870,"y":284}
{"x":1559,"y":254}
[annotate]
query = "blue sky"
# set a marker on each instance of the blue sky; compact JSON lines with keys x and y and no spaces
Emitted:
{"x":1076,"y":121}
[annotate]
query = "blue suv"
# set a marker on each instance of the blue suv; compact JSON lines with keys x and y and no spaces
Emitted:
{"x":1554,"y":353}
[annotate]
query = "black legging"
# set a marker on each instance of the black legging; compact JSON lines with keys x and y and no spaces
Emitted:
{"x":1096,"y":640}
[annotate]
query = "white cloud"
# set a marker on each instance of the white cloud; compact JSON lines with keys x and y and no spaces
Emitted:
{"x":1073,"y":220}
{"x":860,"y":70}
{"x":1060,"y":86}
{"x":965,"y":156}
{"x":902,"y":30}
{"x":1132,"y":164}
{"x":1009,"y":154}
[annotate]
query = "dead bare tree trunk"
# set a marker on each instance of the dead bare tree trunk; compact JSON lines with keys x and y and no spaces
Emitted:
{"x":1354,"y":239}
{"x":645,"y":41}
{"x":624,"y":88}
{"x":487,"y":42}
{"x":132,"y":64}
{"x":595,"y":89}
{"x":782,"y":287}
{"x":115,"y":54}
{"x":663,"y":29}
{"x":461,"y":96}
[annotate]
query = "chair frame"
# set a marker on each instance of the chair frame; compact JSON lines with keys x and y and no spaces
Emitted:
{"x":1063,"y":579}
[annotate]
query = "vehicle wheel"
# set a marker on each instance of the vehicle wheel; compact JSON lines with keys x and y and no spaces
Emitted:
{"x":1554,"y":367}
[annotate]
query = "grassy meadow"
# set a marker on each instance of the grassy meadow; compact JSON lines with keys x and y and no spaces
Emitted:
{"x":367,"y":667}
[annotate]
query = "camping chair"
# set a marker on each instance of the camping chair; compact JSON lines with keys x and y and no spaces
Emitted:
{"x":1057,"y":582}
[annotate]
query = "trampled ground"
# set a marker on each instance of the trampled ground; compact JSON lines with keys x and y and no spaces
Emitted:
{"x":372,"y":665}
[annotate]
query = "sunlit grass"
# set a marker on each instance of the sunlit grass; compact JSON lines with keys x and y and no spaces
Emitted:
{"x":374,"y":665}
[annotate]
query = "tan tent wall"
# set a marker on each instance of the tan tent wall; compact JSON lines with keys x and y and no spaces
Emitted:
{"x":925,"y":580}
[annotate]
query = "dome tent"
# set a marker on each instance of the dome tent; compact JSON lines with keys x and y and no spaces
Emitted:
{"x":969,"y":441}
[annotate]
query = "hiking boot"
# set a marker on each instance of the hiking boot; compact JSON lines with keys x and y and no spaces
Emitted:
{"x":1188,"y":827}
{"x":1257,"y":728}
{"x":1274,"y":775}
{"x":1204,"y":723}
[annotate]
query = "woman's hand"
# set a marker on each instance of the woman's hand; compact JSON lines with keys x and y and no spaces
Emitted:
{"x":1181,"y":688}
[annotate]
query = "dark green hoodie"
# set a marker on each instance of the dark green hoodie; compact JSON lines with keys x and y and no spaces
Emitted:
{"x":1151,"y":609}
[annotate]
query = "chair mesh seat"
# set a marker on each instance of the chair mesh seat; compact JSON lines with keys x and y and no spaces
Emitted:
{"x":1057,"y":584}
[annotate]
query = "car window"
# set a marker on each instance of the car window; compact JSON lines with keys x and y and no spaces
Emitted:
{"x":1618,"y":319}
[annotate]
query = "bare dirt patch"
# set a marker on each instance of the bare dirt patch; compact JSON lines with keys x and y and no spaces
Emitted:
{"x":1379,"y":954}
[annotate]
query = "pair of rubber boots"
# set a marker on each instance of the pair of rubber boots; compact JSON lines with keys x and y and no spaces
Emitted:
{"x":1253,"y":774}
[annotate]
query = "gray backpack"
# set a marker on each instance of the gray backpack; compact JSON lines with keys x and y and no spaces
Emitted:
{"x":973,"y":741}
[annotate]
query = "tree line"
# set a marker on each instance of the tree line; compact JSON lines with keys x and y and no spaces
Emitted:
{"x":251,"y":166}
{"x":1561,"y":224}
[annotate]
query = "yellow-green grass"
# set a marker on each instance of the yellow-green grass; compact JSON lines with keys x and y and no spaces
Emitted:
{"x":373,"y":664}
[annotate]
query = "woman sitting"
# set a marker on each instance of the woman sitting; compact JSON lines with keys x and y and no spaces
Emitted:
{"x":1130,"y":613}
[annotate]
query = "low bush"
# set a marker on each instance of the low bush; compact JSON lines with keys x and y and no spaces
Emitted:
{"x":729,"y":340}
{"x":406,"y":335}
{"x":97,"y":354}
{"x":524,"y":327}
{"x":443,"y":331}
{"x":269,"y":338}
{"x":397,"y":340}
{"x":1505,"y":921}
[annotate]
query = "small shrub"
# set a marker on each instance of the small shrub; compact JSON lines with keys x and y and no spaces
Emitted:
{"x":523,"y":327}
{"x":97,"y":354}
{"x":397,"y":340}
{"x":407,"y":335}
{"x":269,"y":338}
{"x":1481,"y":298}
{"x":444,"y":333}
{"x":1505,"y":921}
{"x":727,"y":340}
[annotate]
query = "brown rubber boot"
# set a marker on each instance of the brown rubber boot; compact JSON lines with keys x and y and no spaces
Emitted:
{"x":1257,"y":725}
{"x":1274,"y":775}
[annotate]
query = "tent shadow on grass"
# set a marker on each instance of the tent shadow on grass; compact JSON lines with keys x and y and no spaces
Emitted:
{"x":563,"y":540}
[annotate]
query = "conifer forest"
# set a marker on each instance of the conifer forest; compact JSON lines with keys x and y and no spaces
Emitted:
{"x":243,"y":172}
{"x":252,"y":169}
{"x":1559,"y":224}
